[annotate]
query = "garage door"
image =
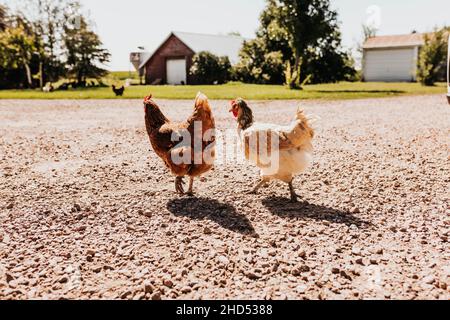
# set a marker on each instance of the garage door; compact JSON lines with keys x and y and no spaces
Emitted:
{"x":176,"y":71}
{"x":390,"y":65}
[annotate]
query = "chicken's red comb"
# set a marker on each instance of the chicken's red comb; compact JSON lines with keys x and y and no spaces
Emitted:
{"x":147,"y":99}
{"x":233,"y":102}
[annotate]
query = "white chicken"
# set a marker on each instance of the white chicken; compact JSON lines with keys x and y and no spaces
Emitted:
{"x":261,"y":142}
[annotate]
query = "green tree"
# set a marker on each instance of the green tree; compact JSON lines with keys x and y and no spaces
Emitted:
{"x":44,"y":19}
{"x":307,"y":34}
{"x":59,"y":36}
{"x":17,"y":51}
{"x":3,"y":18}
{"x":259,"y":65}
{"x":85,"y":52}
{"x":209,"y":68}
{"x":328,"y":63}
{"x":274,"y":35}
{"x":49,"y":18}
{"x":433,"y":57}
{"x":305,"y":23}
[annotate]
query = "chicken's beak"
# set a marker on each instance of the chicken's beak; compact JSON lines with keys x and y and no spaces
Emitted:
{"x":234,"y":111}
{"x":232,"y":103}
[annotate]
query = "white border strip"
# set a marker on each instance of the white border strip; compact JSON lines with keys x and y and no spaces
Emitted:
{"x":448,"y":67}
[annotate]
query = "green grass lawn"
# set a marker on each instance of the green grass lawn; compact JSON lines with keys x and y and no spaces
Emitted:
{"x":124,"y":75}
{"x":343,"y":90}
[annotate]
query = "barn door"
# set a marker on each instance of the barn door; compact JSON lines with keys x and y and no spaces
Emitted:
{"x":176,"y":71}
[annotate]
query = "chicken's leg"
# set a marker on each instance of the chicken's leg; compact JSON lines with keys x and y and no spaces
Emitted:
{"x":261,"y":184}
{"x":179,"y":185}
{"x":294,"y":195}
{"x":191,"y":187}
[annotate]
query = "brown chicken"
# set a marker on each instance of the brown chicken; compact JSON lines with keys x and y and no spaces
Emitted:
{"x":187,"y":148}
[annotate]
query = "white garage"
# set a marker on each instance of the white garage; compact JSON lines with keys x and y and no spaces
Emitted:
{"x":392,"y":58}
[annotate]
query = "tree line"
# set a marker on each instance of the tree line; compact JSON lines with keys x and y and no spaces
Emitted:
{"x":46,"y":40}
{"x":298,"y":42}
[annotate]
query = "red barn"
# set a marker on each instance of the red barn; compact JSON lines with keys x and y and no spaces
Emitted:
{"x":171,"y":61}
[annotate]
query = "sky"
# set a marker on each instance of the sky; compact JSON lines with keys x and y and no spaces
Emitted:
{"x":125,"y":25}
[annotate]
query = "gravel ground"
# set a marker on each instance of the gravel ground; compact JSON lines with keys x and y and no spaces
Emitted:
{"x":88,"y":211}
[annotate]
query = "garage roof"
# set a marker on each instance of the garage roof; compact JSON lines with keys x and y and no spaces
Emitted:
{"x":407,"y":40}
{"x":220,"y":45}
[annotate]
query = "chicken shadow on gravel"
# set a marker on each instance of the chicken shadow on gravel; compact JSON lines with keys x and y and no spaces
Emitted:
{"x":221,"y":213}
{"x":278,"y":206}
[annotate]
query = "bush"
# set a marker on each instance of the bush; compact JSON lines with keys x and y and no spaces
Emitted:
{"x":433,"y":58}
{"x":258,"y":65}
{"x":208,"y":68}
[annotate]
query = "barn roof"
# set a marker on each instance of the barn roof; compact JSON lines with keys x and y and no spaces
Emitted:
{"x":406,"y":40}
{"x":220,"y":45}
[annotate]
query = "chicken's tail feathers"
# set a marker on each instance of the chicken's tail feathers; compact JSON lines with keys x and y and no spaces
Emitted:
{"x":307,"y":122}
{"x":300,"y":114}
{"x":202,"y":101}
{"x":311,"y":119}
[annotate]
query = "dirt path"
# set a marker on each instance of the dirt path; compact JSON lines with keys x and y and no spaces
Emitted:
{"x":88,"y":211}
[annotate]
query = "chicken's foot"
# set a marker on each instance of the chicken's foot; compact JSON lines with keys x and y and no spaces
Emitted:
{"x":179,"y":185}
{"x":190,"y":192}
{"x":294,"y":195}
{"x":261,"y":184}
